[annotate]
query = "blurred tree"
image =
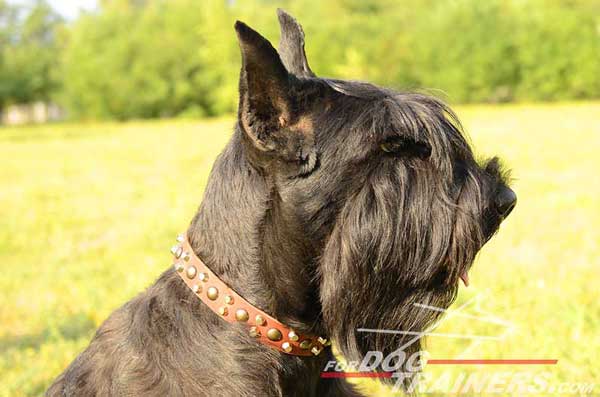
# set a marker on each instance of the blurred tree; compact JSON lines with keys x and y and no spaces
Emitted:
{"x":466,"y":48}
{"x":559,"y":59}
{"x":28,"y":52}
{"x":161,"y":58}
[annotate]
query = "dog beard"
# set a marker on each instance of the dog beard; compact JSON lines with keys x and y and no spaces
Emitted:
{"x":395,"y":255}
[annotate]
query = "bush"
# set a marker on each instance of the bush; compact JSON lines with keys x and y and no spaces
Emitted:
{"x":136,"y":59}
{"x":28,"y":52}
{"x":131,"y":61}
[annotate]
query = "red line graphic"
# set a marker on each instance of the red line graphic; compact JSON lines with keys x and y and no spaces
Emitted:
{"x":494,"y":362}
{"x":443,"y":362}
{"x":356,"y":374}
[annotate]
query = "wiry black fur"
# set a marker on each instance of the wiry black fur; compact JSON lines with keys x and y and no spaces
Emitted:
{"x":308,"y":217}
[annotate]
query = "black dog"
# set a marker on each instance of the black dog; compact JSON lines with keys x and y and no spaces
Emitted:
{"x":336,"y":205}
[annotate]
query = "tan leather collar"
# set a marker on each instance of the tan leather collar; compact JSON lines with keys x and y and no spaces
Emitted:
{"x":233,"y":308}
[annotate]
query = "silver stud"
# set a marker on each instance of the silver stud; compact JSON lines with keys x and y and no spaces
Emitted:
{"x":223,"y":311}
{"x":197,"y":288}
{"x":179,"y":267}
{"x":177,"y":251}
{"x":286,"y":347}
{"x":203,"y":277}
{"x":254,"y":332}
{"x":186,"y":256}
{"x":293,"y":336}
{"x":260,"y":320}
{"x":180,"y":238}
{"x":228,"y":299}
{"x":305,"y":344}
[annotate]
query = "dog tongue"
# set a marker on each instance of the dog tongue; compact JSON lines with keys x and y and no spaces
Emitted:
{"x":465,"y":278}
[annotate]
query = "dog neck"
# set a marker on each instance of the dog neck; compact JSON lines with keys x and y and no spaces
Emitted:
{"x":233,"y":308}
{"x":245,"y":234}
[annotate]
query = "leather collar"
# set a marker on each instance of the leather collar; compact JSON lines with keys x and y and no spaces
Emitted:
{"x":230,"y":306}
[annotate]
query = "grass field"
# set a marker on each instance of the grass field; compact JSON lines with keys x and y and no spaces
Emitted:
{"x":88,"y":212}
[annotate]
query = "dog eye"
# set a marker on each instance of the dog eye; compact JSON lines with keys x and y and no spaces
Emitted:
{"x":403,"y":146}
{"x":389,"y":147}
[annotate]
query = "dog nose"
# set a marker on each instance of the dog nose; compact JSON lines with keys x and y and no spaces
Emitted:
{"x":506,"y":199}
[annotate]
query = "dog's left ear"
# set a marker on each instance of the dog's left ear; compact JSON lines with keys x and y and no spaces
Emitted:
{"x":291,"y":45}
{"x":271,"y":101}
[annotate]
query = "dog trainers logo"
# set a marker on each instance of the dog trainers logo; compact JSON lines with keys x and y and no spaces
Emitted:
{"x":405,"y":372}
{"x":375,"y":365}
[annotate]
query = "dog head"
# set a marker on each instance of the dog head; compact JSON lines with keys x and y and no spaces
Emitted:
{"x":382,"y":185}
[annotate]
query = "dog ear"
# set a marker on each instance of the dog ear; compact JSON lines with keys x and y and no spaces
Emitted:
{"x":291,"y":45}
{"x":264,"y":87}
{"x":272,"y":110}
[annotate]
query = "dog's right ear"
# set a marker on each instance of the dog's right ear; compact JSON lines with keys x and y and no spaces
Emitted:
{"x":271,"y":111}
{"x":265,"y":105}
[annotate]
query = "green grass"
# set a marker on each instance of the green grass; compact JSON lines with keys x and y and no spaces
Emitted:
{"x":88,"y":211}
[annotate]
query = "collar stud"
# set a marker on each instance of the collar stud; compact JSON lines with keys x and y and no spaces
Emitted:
{"x":254,"y":332}
{"x":212,"y":293}
{"x":241,"y":315}
{"x":274,"y":334}
{"x":293,"y":336}
{"x":191,"y":272}
{"x":286,"y":347}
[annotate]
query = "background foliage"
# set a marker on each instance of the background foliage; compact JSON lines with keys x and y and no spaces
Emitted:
{"x":142,"y":58}
{"x":28,"y":53}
